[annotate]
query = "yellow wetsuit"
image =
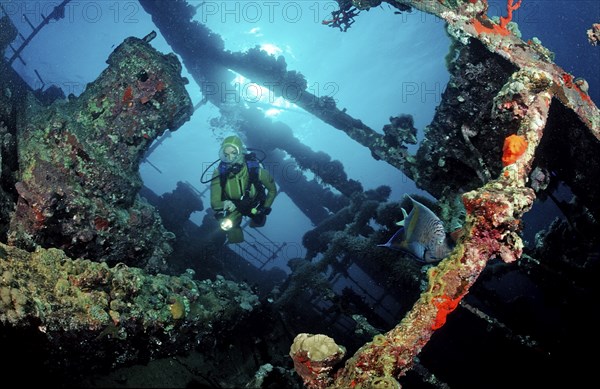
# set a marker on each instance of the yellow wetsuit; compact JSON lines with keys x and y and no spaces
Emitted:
{"x":241,"y":192}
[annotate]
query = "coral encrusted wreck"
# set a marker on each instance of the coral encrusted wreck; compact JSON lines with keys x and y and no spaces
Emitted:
{"x":77,"y":273}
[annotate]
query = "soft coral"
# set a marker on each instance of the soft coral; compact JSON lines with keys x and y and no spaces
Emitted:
{"x":510,"y":7}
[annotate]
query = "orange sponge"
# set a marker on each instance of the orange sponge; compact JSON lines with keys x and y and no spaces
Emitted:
{"x":514,"y":147}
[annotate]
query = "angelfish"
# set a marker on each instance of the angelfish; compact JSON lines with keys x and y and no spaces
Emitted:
{"x":421,"y":235}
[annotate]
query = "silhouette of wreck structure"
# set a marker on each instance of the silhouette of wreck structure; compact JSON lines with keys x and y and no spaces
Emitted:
{"x":96,"y":265}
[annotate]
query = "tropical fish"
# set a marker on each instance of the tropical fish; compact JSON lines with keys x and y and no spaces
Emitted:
{"x":421,"y":235}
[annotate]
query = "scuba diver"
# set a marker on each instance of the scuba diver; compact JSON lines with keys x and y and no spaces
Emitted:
{"x":240,"y":187}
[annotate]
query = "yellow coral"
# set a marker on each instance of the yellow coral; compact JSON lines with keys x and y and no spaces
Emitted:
{"x":385,"y":382}
{"x":177,"y":308}
{"x":318,"y":347}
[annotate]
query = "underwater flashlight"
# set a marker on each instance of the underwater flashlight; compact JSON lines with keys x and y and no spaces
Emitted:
{"x":226,"y":224}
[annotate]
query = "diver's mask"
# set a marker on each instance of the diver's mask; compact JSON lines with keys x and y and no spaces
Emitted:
{"x":231,"y":154}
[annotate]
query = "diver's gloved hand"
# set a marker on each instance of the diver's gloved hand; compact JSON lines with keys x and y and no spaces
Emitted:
{"x":259,"y":216}
{"x":228,"y":206}
{"x":219,"y":215}
{"x":262,"y":211}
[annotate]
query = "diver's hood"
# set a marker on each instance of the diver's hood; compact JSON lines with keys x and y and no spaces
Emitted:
{"x":236,"y":143}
